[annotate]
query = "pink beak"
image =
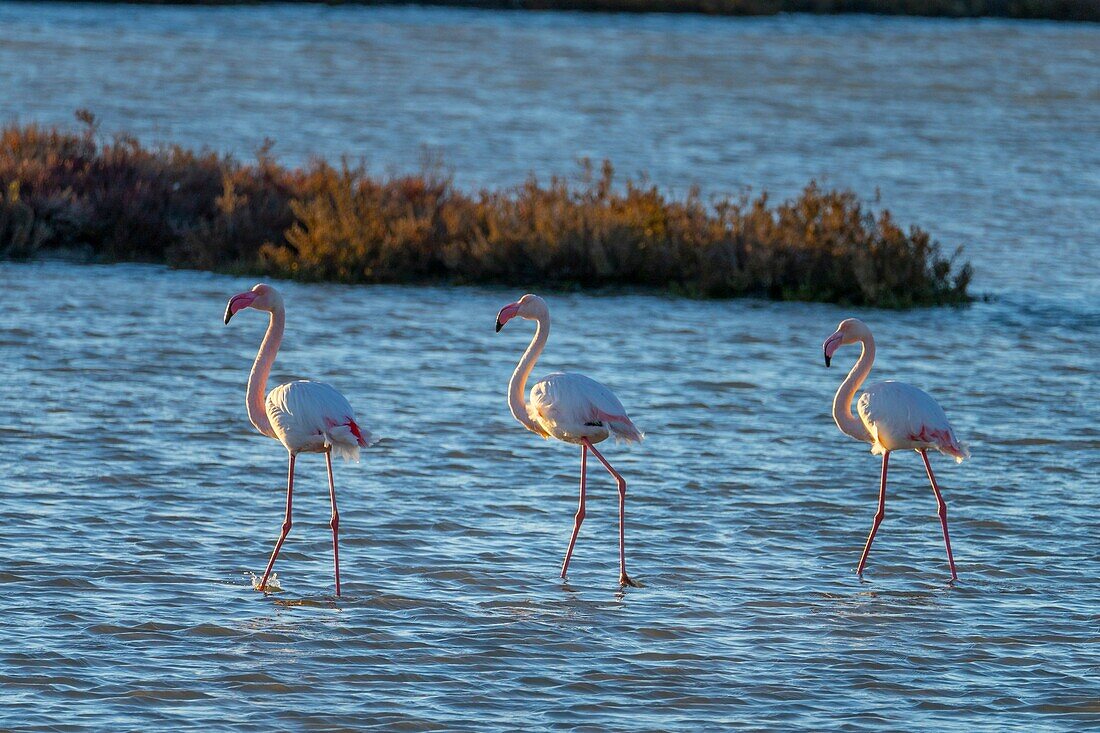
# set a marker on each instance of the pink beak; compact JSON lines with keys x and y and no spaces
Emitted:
{"x":506,"y":314}
{"x":830,"y":346}
{"x":238,"y":302}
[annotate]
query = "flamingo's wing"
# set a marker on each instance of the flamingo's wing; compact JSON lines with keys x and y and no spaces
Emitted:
{"x":572,"y":401}
{"x":303,"y":410}
{"x":900,"y":415}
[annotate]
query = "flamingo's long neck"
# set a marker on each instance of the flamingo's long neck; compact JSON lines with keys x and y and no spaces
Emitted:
{"x":848,"y":423}
{"x":261,"y":368}
{"x":517,"y":387}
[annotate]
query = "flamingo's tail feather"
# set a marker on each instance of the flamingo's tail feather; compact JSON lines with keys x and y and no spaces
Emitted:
{"x":626,"y":431}
{"x":959,"y":451}
{"x":346,"y":440}
{"x":620,"y":427}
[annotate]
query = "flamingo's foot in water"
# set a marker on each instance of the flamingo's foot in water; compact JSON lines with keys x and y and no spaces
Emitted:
{"x":624,"y":580}
{"x":273,"y":585}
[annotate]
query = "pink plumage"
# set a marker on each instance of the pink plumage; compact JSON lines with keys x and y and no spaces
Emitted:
{"x":901,"y":416}
{"x":312,"y":417}
{"x":571,"y":407}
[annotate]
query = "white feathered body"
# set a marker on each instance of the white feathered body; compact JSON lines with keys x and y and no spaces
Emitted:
{"x":571,"y":407}
{"x":312,"y":417}
{"x":901,"y":417}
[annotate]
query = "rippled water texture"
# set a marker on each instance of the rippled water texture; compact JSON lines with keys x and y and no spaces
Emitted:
{"x":136,"y":499}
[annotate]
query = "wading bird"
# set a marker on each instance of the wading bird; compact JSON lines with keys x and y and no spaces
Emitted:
{"x":892,"y":416}
{"x":306,"y":417}
{"x":571,"y":408}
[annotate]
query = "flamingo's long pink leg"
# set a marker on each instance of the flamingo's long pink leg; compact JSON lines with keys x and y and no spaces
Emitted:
{"x":878,"y":515}
{"x":624,"y":579}
{"x":580,"y":512}
{"x":334,"y":521}
{"x":942,"y":512}
{"x":286,"y":522}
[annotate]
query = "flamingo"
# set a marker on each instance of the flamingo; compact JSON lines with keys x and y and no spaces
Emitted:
{"x":572,"y":408}
{"x":305,"y":416}
{"x":892,"y":416}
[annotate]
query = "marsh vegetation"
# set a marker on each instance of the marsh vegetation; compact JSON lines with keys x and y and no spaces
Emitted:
{"x":118,"y":200}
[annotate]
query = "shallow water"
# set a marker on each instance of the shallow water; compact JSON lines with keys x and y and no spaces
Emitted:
{"x":137,"y":500}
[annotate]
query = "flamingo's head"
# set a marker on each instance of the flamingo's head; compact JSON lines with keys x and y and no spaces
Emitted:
{"x":261,"y":297}
{"x":850,"y":331}
{"x":531,"y":307}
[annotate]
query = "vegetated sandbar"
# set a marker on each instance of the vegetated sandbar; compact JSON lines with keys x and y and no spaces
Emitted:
{"x":1086,"y":10}
{"x":116,"y":200}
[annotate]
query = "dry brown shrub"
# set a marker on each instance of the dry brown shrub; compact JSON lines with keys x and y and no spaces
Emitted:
{"x":123,"y":201}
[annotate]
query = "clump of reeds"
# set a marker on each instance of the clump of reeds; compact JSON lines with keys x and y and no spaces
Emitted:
{"x":122,"y":201}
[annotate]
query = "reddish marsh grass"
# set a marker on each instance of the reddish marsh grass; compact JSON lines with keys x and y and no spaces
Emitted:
{"x":115,"y":200}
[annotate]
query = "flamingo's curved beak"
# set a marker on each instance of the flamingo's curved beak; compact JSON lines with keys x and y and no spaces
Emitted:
{"x":830,"y":346}
{"x":506,"y":314}
{"x":238,"y":302}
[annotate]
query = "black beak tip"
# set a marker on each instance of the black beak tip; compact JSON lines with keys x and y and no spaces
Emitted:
{"x":828,"y":362}
{"x":499,"y":325}
{"x":228,"y":315}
